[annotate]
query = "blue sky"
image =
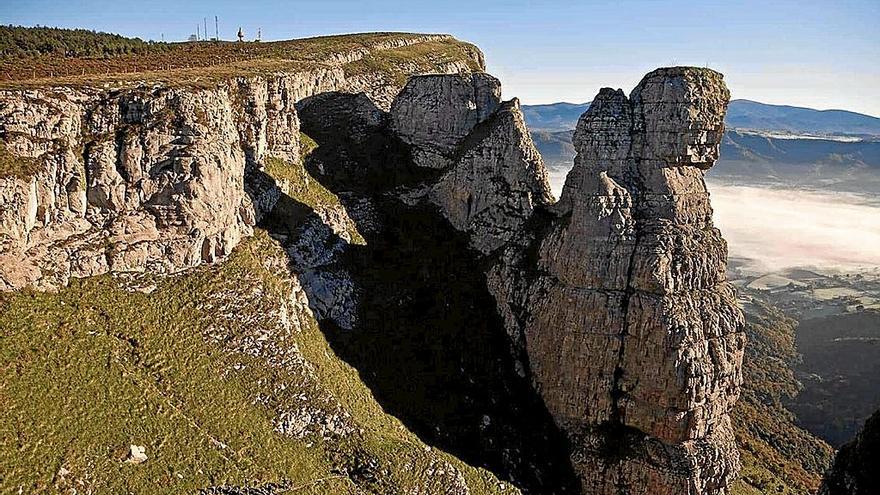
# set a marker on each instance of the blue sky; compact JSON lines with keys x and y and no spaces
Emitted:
{"x":817,"y":54}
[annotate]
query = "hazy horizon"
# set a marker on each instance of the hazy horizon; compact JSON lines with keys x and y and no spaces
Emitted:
{"x":550,"y":51}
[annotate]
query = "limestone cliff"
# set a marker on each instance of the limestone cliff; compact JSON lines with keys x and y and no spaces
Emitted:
{"x":152,"y":176}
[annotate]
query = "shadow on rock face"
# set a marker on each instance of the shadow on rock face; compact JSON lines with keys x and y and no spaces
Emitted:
{"x":365,"y":157}
{"x":428,"y":340}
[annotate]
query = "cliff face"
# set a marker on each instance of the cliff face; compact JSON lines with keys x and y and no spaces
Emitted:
{"x":153,"y":177}
{"x":633,"y":276}
{"x":854,"y":469}
{"x":133,"y":181}
{"x":612,"y":300}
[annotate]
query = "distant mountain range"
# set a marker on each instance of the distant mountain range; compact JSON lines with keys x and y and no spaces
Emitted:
{"x":770,"y":144}
{"x":742,"y":145}
{"x":741,"y":114}
{"x":746,"y":114}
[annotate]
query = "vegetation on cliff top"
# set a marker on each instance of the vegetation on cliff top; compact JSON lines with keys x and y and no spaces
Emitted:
{"x":191,"y":61}
{"x":438,"y":52}
{"x":19,"y":42}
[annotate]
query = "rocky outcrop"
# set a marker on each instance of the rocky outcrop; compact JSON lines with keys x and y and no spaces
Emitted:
{"x":633,"y":331}
{"x":855,"y":468}
{"x":616,"y":295}
{"x":493,"y":177}
{"x":153,"y":177}
{"x":434,"y":113}
{"x":496,"y":183}
{"x":447,"y":141}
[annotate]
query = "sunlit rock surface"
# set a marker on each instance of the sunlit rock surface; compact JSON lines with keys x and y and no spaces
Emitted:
{"x":616,"y":295}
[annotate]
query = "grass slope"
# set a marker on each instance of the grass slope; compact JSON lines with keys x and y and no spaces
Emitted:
{"x":197,"y":371}
{"x":205,"y":63}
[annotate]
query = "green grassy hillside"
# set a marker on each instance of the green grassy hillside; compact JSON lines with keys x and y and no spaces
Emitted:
{"x":220,"y":373}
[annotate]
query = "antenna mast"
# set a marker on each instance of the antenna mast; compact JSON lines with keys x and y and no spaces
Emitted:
{"x":216,"y":29}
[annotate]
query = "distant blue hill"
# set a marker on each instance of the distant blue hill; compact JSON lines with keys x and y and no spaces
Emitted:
{"x":746,"y":146}
{"x":746,"y":114}
{"x":742,"y":114}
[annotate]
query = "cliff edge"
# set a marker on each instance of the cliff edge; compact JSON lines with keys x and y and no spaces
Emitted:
{"x":148,"y":171}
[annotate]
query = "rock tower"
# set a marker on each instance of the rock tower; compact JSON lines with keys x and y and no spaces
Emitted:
{"x":634,"y":337}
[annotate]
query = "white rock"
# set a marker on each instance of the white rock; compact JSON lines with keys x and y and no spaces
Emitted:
{"x":137,"y":454}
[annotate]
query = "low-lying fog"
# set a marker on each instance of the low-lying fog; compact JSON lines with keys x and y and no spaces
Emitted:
{"x":779,"y":228}
{"x":772,"y":229}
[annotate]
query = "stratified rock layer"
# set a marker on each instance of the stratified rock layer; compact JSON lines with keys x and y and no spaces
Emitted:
{"x":634,"y":335}
{"x":160,"y":178}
